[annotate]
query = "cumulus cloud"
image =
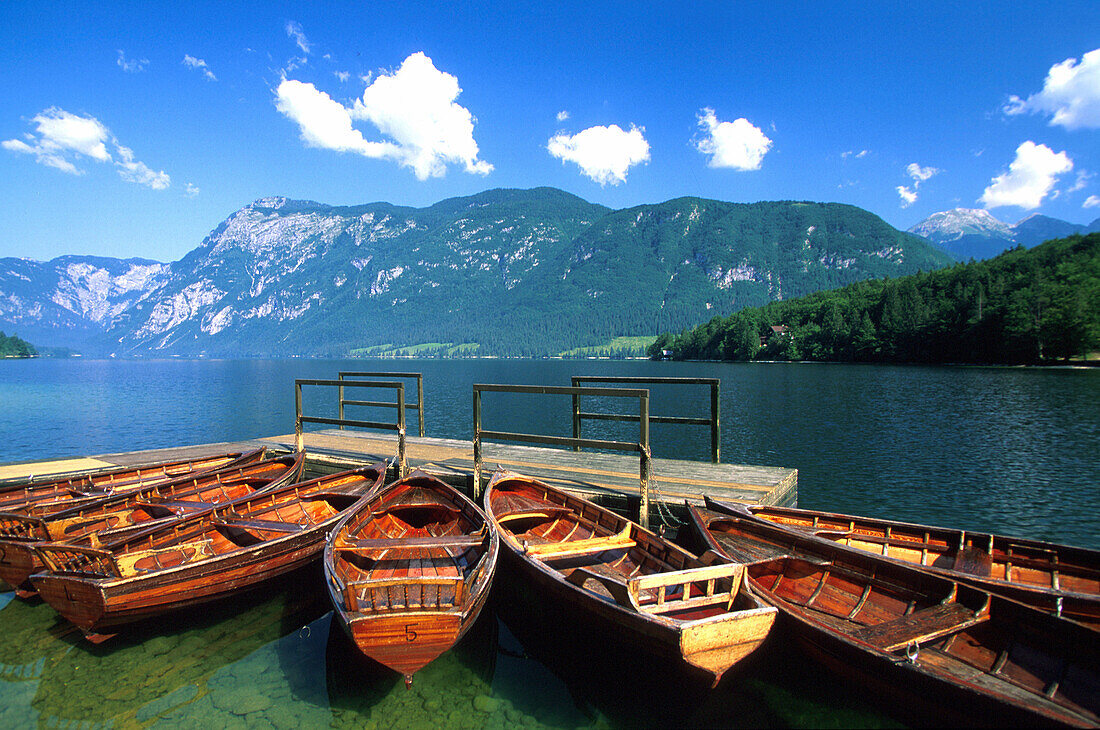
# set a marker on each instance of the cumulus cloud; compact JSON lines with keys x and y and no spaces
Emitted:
{"x":62,"y":139}
{"x":919,"y":175}
{"x":294,"y":31}
{"x":604,"y":154}
{"x":198,"y":64}
{"x":563,"y":115}
{"x":1092,"y":201}
{"x":343,"y":76}
{"x":738,"y":144}
{"x":414,"y":107}
{"x":1029,"y":179}
{"x":1070,"y":95}
{"x":132,"y":65}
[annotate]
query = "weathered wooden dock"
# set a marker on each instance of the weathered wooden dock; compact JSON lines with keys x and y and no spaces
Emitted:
{"x":610,"y":479}
{"x":633,"y":483}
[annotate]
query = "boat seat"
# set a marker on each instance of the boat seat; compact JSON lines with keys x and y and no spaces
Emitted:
{"x":391,"y":543}
{"x":920,"y":626}
{"x":190,"y":505}
{"x":269,"y":525}
{"x":127,"y":562}
{"x":577,"y":548}
{"x":520,"y":506}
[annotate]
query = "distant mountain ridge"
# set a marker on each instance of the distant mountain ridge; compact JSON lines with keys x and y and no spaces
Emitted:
{"x":968,"y":233}
{"x":504,"y":272}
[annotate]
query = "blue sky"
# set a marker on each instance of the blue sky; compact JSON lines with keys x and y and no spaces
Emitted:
{"x":133,"y":129}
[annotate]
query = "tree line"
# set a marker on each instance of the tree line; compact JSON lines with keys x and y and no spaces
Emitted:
{"x":1026,"y":306}
{"x":15,"y":347}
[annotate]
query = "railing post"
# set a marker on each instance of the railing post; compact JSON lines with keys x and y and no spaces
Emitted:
{"x":341,"y":398}
{"x":402,"y":466}
{"x":420,"y":401}
{"x":576,"y":415}
{"x":477,"y":444}
{"x":299,"y":440}
{"x":714,"y":423}
{"x":643,"y":442}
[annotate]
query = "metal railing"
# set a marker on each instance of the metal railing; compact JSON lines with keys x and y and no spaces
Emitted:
{"x":641,"y":447}
{"x":418,"y":406}
{"x":713,"y":421}
{"x":299,"y":419}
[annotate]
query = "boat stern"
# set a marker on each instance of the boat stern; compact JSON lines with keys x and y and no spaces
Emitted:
{"x":717,"y":643}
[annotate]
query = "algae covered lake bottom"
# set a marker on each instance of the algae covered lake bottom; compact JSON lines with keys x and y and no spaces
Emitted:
{"x":275,"y":659}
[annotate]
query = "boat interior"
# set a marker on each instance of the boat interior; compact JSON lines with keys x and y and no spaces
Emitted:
{"x":243,"y":524}
{"x":600,"y":552}
{"x":415,"y":549}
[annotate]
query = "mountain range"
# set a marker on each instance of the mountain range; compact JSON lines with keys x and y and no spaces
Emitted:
{"x":975,"y":234}
{"x":503,"y":272}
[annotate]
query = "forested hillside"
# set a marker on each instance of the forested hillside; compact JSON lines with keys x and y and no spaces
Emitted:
{"x":15,"y":347}
{"x":1024,"y":306}
{"x":504,"y":272}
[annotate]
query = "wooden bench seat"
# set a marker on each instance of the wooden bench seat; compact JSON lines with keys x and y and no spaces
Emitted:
{"x":391,"y":543}
{"x":190,"y":505}
{"x":654,"y":588}
{"x":191,"y":551}
{"x":920,"y":626}
{"x":577,"y":548}
{"x":269,"y":525}
{"x":509,"y":507}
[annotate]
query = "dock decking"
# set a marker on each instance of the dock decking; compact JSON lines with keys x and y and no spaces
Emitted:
{"x":609,"y":479}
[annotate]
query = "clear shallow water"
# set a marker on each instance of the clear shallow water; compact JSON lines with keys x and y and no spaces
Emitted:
{"x":1009,"y":450}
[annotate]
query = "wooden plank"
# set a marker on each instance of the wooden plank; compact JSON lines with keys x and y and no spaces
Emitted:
{"x":919,"y":626}
{"x":366,"y":543}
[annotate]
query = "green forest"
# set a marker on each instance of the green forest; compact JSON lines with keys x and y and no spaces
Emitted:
{"x":15,"y":347}
{"x":1026,"y":306}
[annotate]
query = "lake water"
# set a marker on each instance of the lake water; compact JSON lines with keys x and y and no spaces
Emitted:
{"x":1007,"y":450}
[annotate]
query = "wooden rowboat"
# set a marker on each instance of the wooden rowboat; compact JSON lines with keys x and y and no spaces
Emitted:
{"x":1059,"y":579}
{"x":198,"y":558}
{"x":49,"y":494}
{"x":110,"y":518}
{"x":408,"y":571}
{"x":969,"y":656}
{"x":627,"y":580}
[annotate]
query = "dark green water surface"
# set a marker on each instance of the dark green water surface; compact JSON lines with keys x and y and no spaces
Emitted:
{"x":1008,"y":450}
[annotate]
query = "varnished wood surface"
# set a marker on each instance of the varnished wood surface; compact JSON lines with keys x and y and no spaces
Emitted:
{"x":1059,"y":579}
{"x":976,"y":657}
{"x":409,"y":569}
{"x":199,"y":558}
{"x":111,"y":517}
{"x":639,"y":586}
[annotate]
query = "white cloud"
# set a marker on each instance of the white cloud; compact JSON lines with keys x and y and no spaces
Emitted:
{"x":919,"y":175}
{"x":738,"y":144}
{"x":294,"y":30}
{"x":133,"y":65}
{"x":604,"y":154}
{"x":138,"y":172}
{"x":1070,"y":95}
{"x":61,"y":139}
{"x":563,"y":115}
{"x":1092,"y":201}
{"x":191,"y":191}
{"x":1029,"y":179}
{"x":199,"y":65}
{"x":414,"y":107}
{"x":852,"y":153}
{"x":343,"y":76}
{"x":908,"y":197}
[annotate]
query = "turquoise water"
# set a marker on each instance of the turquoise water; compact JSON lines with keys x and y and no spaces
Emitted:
{"x":1010,"y":450}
